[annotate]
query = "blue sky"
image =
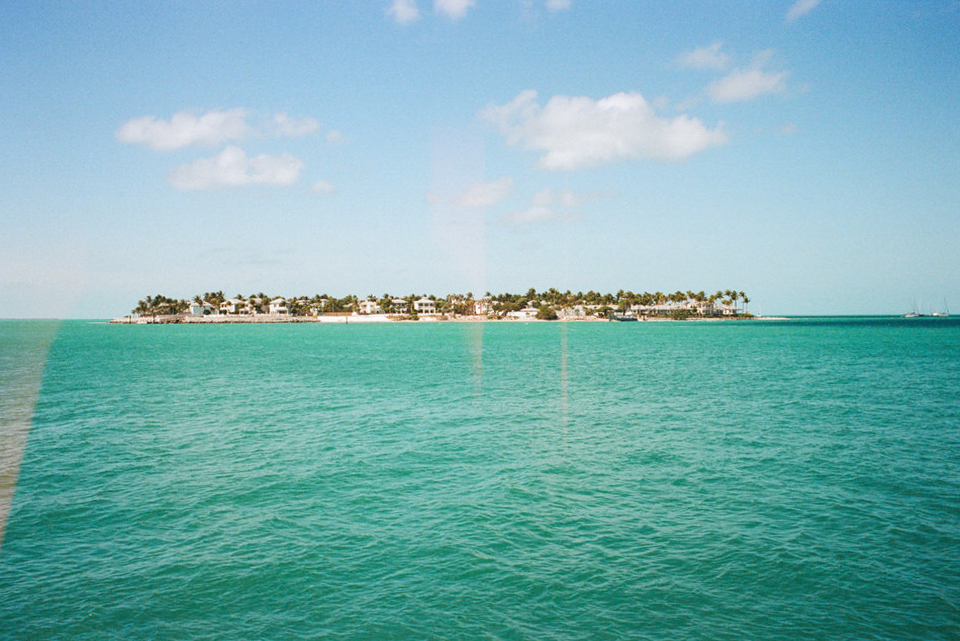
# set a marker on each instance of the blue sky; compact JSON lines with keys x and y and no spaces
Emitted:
{"x":806,"y":152}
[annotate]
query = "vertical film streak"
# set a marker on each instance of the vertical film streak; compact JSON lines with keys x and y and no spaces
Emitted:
{"x":564,"y":396}
{"x":26,"y":346}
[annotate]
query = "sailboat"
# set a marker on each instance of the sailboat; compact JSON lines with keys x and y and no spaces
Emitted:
{"x":942,"y":314}
{"x":914,"y":313}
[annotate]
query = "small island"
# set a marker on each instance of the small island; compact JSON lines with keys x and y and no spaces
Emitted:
{"x":549,"y":305}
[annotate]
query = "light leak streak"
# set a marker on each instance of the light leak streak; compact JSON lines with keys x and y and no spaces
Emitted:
{"x":24,"y":346}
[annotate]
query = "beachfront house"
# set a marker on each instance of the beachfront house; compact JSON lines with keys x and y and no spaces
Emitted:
{"x":425,"y":306}
{"x":278,"y":306}
{"x":660,"y":309}
{"x":577,"y":311}
{"x":232,"y":306}
{"x":369,"y":307}
{"x":701,"y":307}
{"x":400,"y":305}
{"x":482,"y":307}
{"x":200,"y":309}
{"x":523,"y":314}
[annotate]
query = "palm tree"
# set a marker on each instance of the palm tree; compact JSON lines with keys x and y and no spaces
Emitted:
{"x":700,"y":297}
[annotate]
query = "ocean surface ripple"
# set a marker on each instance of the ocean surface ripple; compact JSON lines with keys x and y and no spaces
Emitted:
{"x":775,"y":480}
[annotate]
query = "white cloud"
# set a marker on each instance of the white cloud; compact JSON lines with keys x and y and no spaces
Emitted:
{"x":404,"y":11}
{"x":323,"y":187}
{"x":746,"y":84}
{"x":484,"y":194}
{"x":285,"y":125}
{"x":578,"y":132}
{"x":558,"y":5}
{"x":185,"y":129}
{"x":453,"y":9}
{"x":742,"y":83}
{"x":800,"y":8}
{"x":334,"y":137}
{"x":232,"y":168}
{"x":709,"y":57}
{"x":547,"y":205}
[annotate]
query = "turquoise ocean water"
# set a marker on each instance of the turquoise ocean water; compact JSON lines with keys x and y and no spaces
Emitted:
{"x":733,"y":480}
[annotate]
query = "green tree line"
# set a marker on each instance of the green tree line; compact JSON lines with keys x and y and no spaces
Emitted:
{"x":549,"y":301}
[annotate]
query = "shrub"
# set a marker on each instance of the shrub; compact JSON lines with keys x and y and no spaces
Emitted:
{"x":546,"y":313}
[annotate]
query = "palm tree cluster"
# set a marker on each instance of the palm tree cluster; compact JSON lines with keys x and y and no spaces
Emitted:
{"x":160,"y":305}
{"x":622,"y":300}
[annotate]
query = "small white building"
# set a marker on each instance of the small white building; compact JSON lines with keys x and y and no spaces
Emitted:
{"x":278,"y":306}
{"x":400,"y":305}
{"x":425,"y":306}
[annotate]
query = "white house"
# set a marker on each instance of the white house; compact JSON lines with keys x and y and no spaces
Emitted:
{"x":369,"y":307}
{"x":200,"y":309}
{"x":577,"y":311}
{"x":231,"y":306}
{"x":524,"y":314}
{"x":399,"y":305}
{"x":425,"y":306}
{"x":278,"y":306}
{"x":482,"y":307}
{"x":660,"y":309}
{"x":701,"y":307}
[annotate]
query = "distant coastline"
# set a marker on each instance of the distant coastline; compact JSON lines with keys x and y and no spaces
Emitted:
{"x":549,"y":305}
{"x":342,"y":319}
